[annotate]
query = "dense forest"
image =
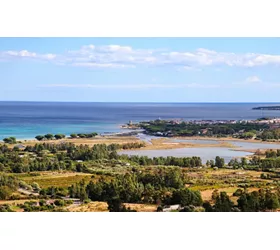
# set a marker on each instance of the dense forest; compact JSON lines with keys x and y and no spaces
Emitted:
{"x":240,"y":130}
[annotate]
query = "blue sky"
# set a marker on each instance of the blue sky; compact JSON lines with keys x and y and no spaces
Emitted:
{"x":140,"y":69}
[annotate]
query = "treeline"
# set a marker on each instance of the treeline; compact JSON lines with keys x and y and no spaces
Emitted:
{"x":63,"y":156}
{"x":89,"y":135}
{"x":62,"y":136}
{"x":270,"y":134}
{"x":70,"y":147}
{"x":50,"y":137}
{"x":130,"y":145}
{"x":256,"y":201}
{"x":246,"y":130}
{"x":270,"y":162}
{"x":193,"y":161}
{"x":46,"y":137}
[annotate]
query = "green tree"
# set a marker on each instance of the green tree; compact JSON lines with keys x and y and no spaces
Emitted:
{"x":49,"y":136}
{"x":115,"y":205}
{"x":238,"y":192}
{"x":59,"y":136}
{"x":10,"y":140}
{"x":73,"y":135}
{"x":35,"y":187}
{"x":219,"y":162}
{"x":215,"y":194}
{"x":42,"y":203}
{"x":5,"y":192}
{"x":207,"y":206}
{"x":223,"y":203}
{"x":186,"y":197}
{"x":59,"y":203}
{"x":244,"y":161}
{"x":39,"y":137}
{"x":272,"y":201}
{"x":82,"y":135}
{"x":248,"y":135}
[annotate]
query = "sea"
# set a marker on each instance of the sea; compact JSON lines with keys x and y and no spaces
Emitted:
{"x":25,"y":120}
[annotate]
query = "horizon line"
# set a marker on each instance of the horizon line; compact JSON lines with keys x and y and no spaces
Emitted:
{"x":134,"y":102}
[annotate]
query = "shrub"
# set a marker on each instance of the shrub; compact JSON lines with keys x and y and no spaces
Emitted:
{"x":73,"y":135}
{"x":5,"y":208}
{"x":10,"y":140}
{"x":5,"y":192}
{"x":59,"y":203}
{"x":36,"y":187}
{"x":238,"y":192}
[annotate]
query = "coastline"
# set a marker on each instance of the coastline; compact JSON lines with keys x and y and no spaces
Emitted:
{"x":224,"y":139}
{"x":152,"y":142}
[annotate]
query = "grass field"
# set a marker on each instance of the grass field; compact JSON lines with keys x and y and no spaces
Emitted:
{"x":103,"y":207}
{"x":57,"y":179}
{"x":89,"y":141}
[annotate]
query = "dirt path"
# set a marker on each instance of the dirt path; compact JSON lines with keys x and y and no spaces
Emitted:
{"x":27,"y":192}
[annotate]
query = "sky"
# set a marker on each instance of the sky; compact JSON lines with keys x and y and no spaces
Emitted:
{"x":140,"y":69}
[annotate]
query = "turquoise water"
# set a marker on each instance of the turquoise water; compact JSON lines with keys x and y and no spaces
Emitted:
{"x":30,"y":131}
{"x":28,"y":119}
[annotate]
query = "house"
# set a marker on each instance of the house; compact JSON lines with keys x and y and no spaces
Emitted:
{"x":20,"y":146}
{"x":74,"y":200}
{"x":171,"y":208}
{"x":204,"y":131}
{"x":159,"y":133}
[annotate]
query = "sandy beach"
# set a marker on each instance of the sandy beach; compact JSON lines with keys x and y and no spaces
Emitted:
{"x":154,"y":143}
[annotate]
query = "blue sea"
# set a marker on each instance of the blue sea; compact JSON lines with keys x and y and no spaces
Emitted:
{"x":25,"y":120}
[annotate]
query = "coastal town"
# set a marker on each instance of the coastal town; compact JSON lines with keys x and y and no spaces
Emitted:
{"x":235,"y":128}
{"x":264,"y":120}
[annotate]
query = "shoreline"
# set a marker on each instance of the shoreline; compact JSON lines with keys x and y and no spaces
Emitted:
{"x":151,"y":142}
{"x":135,"y":135}
{"x":223,"y":139}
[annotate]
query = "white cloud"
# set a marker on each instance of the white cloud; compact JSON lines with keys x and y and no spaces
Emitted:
{"x":117,"y":56}
{"x":204,"y":57}
{"x":114,"y":49}
{"x":253,"y":79}
{"x":102,"y":65}
{"x":24,"y":54}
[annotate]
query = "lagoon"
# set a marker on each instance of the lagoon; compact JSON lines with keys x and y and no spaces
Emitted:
{"x":206,"y":153}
